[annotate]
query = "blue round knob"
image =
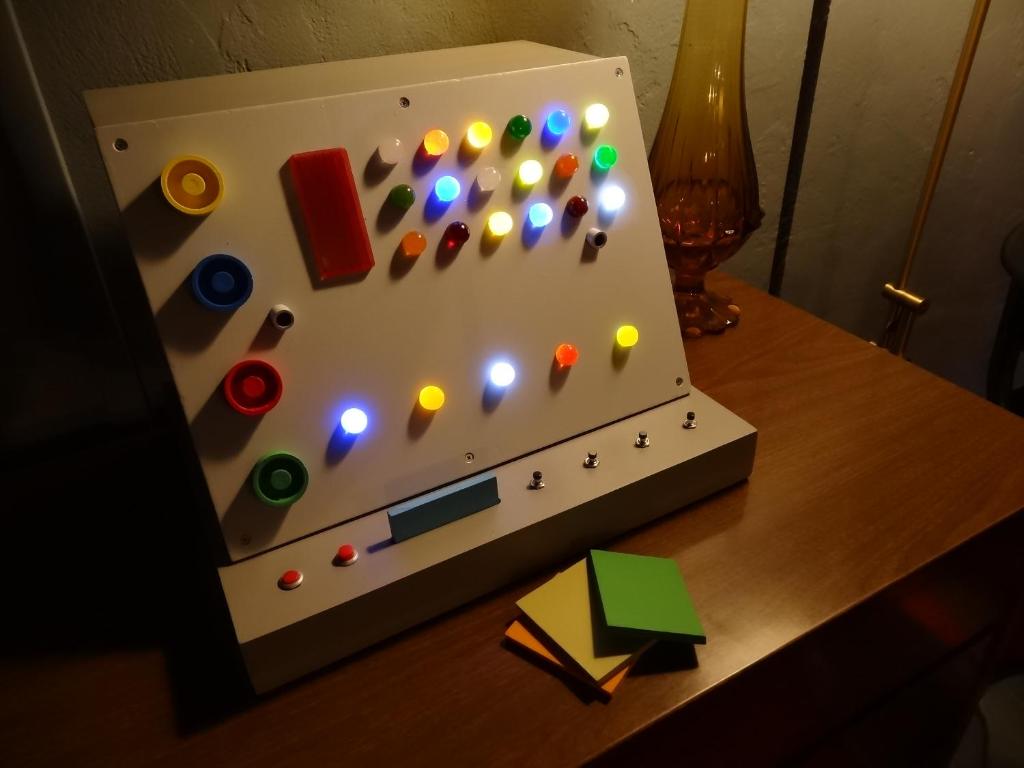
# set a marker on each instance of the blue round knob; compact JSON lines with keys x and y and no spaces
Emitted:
{"x":221,"y":282}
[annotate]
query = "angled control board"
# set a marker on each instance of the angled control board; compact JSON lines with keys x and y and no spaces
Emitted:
{"x":387,"y":288}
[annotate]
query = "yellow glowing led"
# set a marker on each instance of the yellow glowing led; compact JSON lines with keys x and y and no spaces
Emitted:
{"x":435,"y":143}
{"x":479,"y":135}
{"x":595,"y":116}
{"x":627,"y":336}
{"x":530,"y":172}
{"x":499,"y":223}
{"x":431,"y":398}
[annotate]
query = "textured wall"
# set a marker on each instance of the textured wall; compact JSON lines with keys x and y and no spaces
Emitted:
{"x":884,"y":77}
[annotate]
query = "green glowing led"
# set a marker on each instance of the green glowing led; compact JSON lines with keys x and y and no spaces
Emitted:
{"x":605,"y":157}
{"x":402,"y":196}
{"x":519,"y":127}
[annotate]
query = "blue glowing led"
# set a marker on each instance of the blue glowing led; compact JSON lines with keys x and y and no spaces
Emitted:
{"x":502,"y":374}
{"x":447,"y":188}
{"x":354,"y":421}
{"x":540,"y":214}
{"x":558,"y":122}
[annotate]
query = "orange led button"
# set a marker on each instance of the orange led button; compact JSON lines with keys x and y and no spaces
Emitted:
{"x":192,"y":184}
{"x":413,"y":244}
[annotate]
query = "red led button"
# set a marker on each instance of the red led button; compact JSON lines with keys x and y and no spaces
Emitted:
{"x":347,"y":554}
{"x":577,"y":206}
{"x":455,"y":235}
{"x":290,"y":579}
{"x":253,"y":387}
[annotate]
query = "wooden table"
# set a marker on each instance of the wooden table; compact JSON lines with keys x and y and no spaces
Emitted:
{"x":853,"y":592}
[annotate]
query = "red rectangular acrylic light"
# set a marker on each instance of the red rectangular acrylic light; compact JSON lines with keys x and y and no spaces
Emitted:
{"x":327,"y":193}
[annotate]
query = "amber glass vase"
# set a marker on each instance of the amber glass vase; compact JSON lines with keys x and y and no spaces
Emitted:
{"x":702,"y":164}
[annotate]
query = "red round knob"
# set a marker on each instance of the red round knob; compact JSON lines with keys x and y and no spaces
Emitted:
{"x":253,"y":387}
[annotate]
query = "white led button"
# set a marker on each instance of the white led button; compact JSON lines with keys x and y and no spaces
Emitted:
{"x":390,"y":151}
{"x":488,"y":179}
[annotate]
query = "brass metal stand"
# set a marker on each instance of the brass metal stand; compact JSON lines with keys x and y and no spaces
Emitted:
{"x":906,"y":306}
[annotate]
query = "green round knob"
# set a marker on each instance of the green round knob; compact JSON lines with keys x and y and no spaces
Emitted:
{"x":279,"y":479}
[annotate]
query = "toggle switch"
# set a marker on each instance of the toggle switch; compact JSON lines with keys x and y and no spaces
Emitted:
{"x":591,"y":461}
{"x":537,"y":482}
{"x":691,"y":420}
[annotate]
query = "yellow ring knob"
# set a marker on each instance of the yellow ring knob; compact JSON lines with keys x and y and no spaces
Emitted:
{"x":192,"y":184}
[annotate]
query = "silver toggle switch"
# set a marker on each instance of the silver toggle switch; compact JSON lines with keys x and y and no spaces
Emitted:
{"x":538,"y":481}
{"x":691,"y":421}
{"x":591,"y":461}
{"x":642,"y":440}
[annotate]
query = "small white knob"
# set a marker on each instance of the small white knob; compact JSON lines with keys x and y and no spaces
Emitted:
{"x":597,"y":237}
{"x":281,"y":317}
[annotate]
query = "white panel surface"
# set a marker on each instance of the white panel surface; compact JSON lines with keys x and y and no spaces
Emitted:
{"x":376,"y":341}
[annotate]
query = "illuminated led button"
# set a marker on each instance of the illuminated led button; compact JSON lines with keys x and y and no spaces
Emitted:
{"x":502,"y":374}
{"x":479,"y":135}
{"x":566,"y":166}
{"x":519,"y":127}
{"x":627,"y":336}
{"x":499,"y":224}
{"x":595,"y":116}
{"x":447,"y":188}
{"x":253,"y":387}
{"x":402,"y":196}
{"x":612,"y":198}
{"x":354,"y":421}
{"x":290,"y":580}
{"x":435,"y":143}
{"x":413,"y":244}
{"x":347,"y":554}
{"x":540,"y":214}
{"x":279,"y":479}
{"x":530,"y":172}
{"x":431,"y":398}
{"x":221,"y":282}
{"x":192,"y":184}
{"x":389,"y":151}
{"x":566,"y":355}
{"x":605,"y":157}
{"x":577,"y":206}
{"x":455,"y":234}
{"x":488,"y":179}
{"x":558,"y":122}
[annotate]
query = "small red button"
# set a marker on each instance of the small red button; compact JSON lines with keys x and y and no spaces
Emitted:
{"x":347,"y":554}
{"x":290,"y":579}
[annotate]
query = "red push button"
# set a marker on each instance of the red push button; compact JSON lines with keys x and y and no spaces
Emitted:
{"x":290,"y":580}
{"x":347,"y":554}
{"x":253,"y":387}
{"x":327,"y":194}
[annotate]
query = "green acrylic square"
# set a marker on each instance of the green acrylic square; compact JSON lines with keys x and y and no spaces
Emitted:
{"x":646,"y":595}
